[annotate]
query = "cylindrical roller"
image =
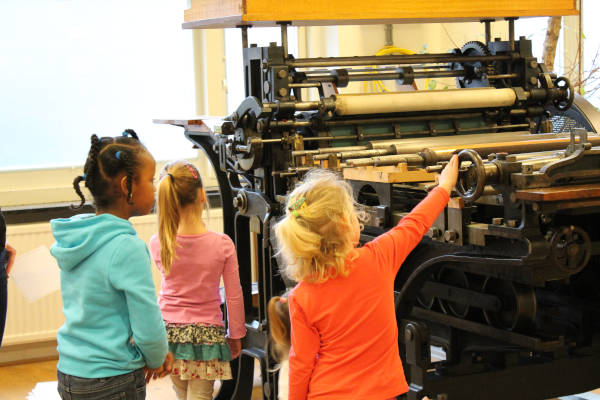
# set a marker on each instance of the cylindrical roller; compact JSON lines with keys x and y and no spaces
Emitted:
{"x":426,"y":100}
{"x":411,"y":159}
{"x":444,"y":153}
{"x":358,"y":154}
{"x":390,"y":59}
{"x":409,"y":145}
{"x":327,"y":150}
{"x":512,"y":147}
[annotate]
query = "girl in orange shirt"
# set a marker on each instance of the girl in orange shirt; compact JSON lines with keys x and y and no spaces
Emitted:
{"x":344,"y":332}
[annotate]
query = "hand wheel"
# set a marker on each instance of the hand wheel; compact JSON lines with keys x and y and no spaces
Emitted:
{"x":471,"y":182}
{"x":563,"y":83}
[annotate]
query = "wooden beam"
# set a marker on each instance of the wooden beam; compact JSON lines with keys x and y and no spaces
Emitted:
{"x":400,"y":173}
{"x":229,"y":13}
{"x":560,"y":193}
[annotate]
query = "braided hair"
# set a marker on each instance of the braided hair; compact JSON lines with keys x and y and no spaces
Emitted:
{"x":109,"y":156}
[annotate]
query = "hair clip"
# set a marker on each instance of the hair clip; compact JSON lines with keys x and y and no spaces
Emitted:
{"x":83,"y":176}
{"x":283,"y":300}
{"x":118,"y":155}
{"x":130,"y":132}
{"x":301,"y":205}
{"x":192,"y":171}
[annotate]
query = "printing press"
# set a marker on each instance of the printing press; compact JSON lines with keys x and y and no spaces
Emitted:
{"x":505,"y":289}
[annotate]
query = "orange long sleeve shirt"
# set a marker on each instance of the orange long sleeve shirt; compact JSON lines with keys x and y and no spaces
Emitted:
{"x":344,"y":331}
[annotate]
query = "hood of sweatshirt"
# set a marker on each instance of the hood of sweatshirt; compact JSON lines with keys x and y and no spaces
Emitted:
{"x":80,"y":236}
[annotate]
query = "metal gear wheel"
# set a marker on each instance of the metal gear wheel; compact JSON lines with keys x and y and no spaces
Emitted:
{"x":475,"y":72}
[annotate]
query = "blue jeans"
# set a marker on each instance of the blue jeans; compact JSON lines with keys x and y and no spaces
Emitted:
{"x":131,"y":386}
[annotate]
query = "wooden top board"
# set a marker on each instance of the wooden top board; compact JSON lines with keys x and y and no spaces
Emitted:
{"x":559,"y":193}
{"x":399,"y":173}
{"x":231,"y":13}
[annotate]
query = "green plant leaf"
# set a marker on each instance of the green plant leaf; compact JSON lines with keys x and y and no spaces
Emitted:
{"x":582,"y":91}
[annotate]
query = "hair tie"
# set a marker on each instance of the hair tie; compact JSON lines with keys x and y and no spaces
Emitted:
{"x":283,"y":300}
{"x":192,"y":171}
{"x":301,"y":205}
{"x":118,"y":155}
{"x":130,"y":132}
{"x":83,"y":177}
{"x":172,"y":177}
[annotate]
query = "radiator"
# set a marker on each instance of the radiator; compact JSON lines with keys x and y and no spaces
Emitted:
{"x":38,"y":321}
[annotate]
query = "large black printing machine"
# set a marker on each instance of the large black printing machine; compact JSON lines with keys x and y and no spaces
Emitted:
{"x":502,"y":299}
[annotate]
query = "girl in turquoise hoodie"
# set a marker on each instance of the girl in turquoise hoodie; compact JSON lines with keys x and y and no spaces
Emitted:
{"x":113,"y":327}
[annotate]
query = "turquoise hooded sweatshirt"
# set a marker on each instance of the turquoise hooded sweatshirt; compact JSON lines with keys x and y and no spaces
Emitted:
{"x":112,"y":323}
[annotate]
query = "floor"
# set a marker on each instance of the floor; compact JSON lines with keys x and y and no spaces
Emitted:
{"x":18,"y":381}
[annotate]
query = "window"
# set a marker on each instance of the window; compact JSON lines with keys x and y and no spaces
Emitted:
{"x":71,"y":68}
{"x":235,"y":60}
{"x":591,"y":51}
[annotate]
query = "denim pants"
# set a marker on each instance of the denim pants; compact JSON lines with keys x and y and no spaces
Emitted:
{"x":3,"y":293}
{"x":131,"y":386}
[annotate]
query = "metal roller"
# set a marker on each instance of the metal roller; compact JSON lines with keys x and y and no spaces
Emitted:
{"x":429,"y":100}
{"x":432,"y":155}
{"x":460,"y":139}
{"x":404,"y":146}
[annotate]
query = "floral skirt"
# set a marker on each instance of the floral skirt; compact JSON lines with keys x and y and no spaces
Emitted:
{"x":200,"y":351}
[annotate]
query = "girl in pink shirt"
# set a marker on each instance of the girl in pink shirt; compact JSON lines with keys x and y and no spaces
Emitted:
{"x":192,"y":261}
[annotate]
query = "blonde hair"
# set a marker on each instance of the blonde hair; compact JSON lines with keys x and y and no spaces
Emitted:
{"x":315,"y":236}
{"x":177,"y":188}
{"x":279,"y":326}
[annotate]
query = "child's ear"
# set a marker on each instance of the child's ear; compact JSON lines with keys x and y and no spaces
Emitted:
{"x":202,"y":195}
{"x":123,"y":186}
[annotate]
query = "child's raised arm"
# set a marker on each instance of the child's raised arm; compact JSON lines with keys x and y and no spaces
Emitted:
{"x":391,"y":248}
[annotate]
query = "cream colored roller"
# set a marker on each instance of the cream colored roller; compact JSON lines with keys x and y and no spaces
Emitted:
{"x":423,"y":142}
{"x":425,"y":100}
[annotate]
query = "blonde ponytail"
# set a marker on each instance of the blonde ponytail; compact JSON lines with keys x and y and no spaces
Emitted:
{"x":279,"y":327}
{"x":178,"y":187}
{"x":168,"y":221}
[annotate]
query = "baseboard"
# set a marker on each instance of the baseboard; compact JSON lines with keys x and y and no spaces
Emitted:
{"x":19,"y":353}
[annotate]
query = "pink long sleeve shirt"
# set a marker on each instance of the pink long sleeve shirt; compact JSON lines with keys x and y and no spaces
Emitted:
{"x":190,"y":293}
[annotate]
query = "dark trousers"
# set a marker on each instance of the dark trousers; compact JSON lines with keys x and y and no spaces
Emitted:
{"x":3,"y":293}
{"x":131,"y":386}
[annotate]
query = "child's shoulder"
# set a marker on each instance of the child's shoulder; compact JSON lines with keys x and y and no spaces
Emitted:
{"x":130,"y":242}
{"x":221,"y":237}
{"x":299,"y":290}
{"x":209,"y":239}
{"x":302,"y":295}
{"x":154,"y":240}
